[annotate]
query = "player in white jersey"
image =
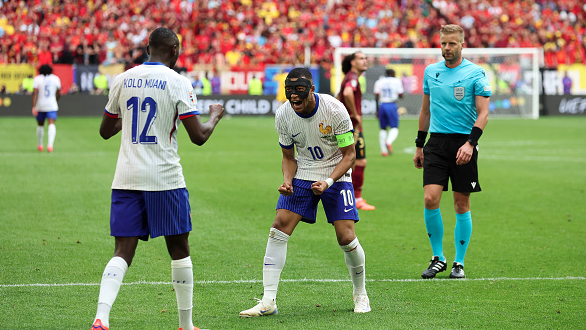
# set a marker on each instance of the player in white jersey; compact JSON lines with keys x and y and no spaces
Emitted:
{"x":319,"y":127}
{"x":46,"y":93}
{"x":387,"y":90}
{"x":149,"y":197}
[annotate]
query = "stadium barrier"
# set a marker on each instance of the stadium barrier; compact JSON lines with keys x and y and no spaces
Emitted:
{"x":252,"y":105}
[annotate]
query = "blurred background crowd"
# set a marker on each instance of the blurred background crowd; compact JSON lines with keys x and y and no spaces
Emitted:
{"x":246,"y":33}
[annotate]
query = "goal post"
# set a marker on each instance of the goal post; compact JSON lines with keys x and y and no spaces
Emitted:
{"x":513,"y":74}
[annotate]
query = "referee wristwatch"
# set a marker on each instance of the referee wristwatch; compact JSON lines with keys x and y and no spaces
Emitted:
{"x":472,"y":142}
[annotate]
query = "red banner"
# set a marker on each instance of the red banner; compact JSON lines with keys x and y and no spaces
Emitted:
{"x":65,"y":74}
{"x":236,"y":80}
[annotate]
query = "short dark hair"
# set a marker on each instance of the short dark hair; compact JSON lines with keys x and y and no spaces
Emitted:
{"x":163,"y":38}
{"x":390,"y":72}
{"x":347,"y":62}
{"x":300,"y":73}
{"x":45,"y":70}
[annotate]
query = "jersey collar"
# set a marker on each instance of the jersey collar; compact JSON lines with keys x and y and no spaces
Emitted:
{"x":314,"y":110}
{"x":153,"y":63}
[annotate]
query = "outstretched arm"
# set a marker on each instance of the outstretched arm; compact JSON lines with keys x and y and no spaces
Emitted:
{"x":110,"y":126}
{"x":200,"y":132}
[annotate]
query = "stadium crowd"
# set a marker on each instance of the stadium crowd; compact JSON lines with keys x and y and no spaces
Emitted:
{"x":231,"y":33}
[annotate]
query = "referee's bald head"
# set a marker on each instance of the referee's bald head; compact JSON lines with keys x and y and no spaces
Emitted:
{"x":163,"y":39}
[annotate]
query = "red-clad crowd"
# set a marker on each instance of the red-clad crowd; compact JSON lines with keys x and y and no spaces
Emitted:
{"x":228,"y":33}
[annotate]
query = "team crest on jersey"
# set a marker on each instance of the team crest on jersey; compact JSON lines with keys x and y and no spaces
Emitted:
{"x":354,"y":83}
{"x":459,"y":93}
{"x":326,"y":131}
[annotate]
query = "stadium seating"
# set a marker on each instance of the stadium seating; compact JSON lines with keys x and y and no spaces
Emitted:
{"x":250,"y":32}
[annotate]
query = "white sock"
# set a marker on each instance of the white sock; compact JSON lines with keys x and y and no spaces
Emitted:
{"x":274,"y":261}
{"x":40,"y":135}
{"x":382,"y":137}
{"x":111,"y":281}
{"x":52,"y":131}
{"x":182,"y":275}
{"x":393,"y":133}
{"x":354,"y":257}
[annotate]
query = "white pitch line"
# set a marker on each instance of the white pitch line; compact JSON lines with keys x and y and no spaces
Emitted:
{"x":571,"y":278}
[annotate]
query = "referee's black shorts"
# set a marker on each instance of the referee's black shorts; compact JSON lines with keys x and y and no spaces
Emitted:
{"x":439,"y":163}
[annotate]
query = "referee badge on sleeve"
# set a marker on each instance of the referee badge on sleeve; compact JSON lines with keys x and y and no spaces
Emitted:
{"x":459,"y":93}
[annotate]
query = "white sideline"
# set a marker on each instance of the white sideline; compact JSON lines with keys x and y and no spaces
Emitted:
{"x":571,"y":278}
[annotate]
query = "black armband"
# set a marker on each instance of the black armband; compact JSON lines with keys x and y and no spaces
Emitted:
{"x":474,"y":135}
{"x":420,"y":140}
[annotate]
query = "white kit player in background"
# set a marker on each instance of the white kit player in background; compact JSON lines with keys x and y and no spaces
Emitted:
{"x":149,"y":196}
{"x":46,"y":93}
{"x":318,"y":127}
{"x":387,"y":90}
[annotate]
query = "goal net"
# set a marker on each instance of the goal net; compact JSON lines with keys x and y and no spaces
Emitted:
{"x":513,"y":74}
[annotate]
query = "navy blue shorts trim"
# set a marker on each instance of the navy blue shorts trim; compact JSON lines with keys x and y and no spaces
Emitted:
{"x":141,"y":214}
{"x":337,"y":201}
{"x":388,"y":116}
{"x":42,"y":115}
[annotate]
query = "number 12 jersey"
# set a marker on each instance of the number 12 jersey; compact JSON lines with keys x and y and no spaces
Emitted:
{"x":150,"y":99}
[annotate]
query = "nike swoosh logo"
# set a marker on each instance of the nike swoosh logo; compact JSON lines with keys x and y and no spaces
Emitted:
{"x":294,"y":135}
{"x":269,"y":264}
{"x":360,"y":273}
{"x":347,"y":210}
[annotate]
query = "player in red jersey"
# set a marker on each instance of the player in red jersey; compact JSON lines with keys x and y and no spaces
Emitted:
{"x":350,"y":94}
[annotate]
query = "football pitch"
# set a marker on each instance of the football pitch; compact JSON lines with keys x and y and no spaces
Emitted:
{"x":525,"y":266}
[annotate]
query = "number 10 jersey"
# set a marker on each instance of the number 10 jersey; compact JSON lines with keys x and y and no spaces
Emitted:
{"x":314,"y":136}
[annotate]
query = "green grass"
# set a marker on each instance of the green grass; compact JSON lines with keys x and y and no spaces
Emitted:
{"x":525,"y":265}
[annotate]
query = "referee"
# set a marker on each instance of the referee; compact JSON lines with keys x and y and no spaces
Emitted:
{"x":455,"y":112}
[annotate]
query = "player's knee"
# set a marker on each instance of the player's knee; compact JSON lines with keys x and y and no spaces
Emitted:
{"x":345,"y":240}
{"x":282,"y":226}
{"x":462,"y":206}
{"x":431,"y":201}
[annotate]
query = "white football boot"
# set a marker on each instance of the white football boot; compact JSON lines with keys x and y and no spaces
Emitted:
{"x":261,"y":309}
{"x":361,"y":304}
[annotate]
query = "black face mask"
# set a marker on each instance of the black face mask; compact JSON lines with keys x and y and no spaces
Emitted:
{"x":300,"y":82}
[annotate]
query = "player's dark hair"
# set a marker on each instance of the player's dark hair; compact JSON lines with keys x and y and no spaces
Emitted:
{"x":347,"y":62}
{"x":390,"y":72}
{"x":163,"y":38}
{"x":45,"y":70}
{"x":300,"y":73}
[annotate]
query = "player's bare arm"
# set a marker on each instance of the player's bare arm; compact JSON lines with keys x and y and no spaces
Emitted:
{"x":289,"y":167}
{"x":376,"y":97}
{"x":348,"y":160}
{"x":35,"y":96}
{"x":424,"y":118}
{"x":465,"y":152}
{"x":200,"y":132}
{"x":349,"y":101}
{"x":110,"y":126}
